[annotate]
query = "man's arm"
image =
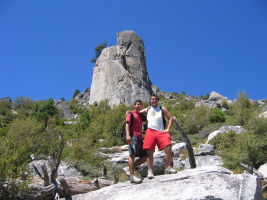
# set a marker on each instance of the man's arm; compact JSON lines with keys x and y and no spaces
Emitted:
{"x":128,"y":136}
{"x":169,"y":117}
{"x":143,"y":111}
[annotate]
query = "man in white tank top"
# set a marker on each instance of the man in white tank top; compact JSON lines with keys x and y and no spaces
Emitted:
{"x":157,"y":134}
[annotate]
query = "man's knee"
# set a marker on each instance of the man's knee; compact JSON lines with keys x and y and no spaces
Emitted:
{"x":168,"y":147}
{"x":133,"y":155}
{"x":168,"y":150}
{"x":144,"y":159}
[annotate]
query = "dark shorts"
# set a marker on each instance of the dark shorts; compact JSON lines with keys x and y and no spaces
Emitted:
{"x":137,"y":147}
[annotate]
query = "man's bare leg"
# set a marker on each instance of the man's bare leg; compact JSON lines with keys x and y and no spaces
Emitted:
{"x":168,"y":155}
{"x":131,"y":164}
{"x":168,"y":160}
{"x":150,"y":158}
{"x":140,"y":161}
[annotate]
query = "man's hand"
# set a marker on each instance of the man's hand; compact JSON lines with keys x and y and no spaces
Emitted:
{"x":166,"y":131}
{"x":128,"y":139}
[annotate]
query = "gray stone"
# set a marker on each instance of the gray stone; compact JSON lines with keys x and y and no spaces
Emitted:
{"x":263,"y":169}
{"x":210,"y":182}
{"x":264,"y":114}
{"x":67,"y":114}
{"x":178,"y":148}
{"x":6,"y":99}
{"x":205,"y":161}
{"x":227,"y":129}
{"x":158,"y":166}
{"x":120,"y":74}
{"x":212,"y":135}
{"x":70,"y":123}
{"x":214,"y":96}
{"x":205,"y":149}
{"x":214,"y":99}
{"x":68,"y":171}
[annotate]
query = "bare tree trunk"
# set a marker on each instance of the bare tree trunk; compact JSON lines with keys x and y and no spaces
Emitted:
{"x":64,"y":189}
{"x":253,"y":170}
{"x":46,"y":176}
{"x":188,"y":144}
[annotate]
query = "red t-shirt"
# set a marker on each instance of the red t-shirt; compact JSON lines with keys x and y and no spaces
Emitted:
{"x":136,"y":123}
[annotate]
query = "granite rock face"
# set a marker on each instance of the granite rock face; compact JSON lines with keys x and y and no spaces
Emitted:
{"x":207,"y":182}
{"x":120,"y":75}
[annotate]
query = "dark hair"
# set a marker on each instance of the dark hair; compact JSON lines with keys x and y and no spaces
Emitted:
{"x":154,"y":95}
{"x":137,"y":101}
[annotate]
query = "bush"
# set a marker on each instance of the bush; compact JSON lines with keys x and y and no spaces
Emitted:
{"x":10,"y":171}
{"x":242,"y":109}
{"x":241,"y":148}
{"x":46,"y":110}
{"x":217,"y":116}
{"x":3,"y":131}
{"x":194,"y":120}
{"x":257,"y":125}
{"x":5,"y":107}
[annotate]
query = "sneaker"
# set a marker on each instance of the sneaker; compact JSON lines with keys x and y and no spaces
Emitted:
{"x":134,"y":179}
{"x":126,"y":170}
{"x":150,"y":174}
{"x":169,"y":170}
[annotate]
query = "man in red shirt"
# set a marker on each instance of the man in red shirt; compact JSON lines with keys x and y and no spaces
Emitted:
{"x":135,"y":140}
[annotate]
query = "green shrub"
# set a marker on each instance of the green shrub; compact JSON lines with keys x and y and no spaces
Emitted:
{"x":217,"y":116}
{"x":10,"y":171}
{"x":84,"y":121}
{"x":5,"y":107}
{"x":194,"y":120}
{"x":257,"y":125}
{"x":224,"y":140}
{"x":46,"y":110}
{"x":241,"y":148}
{"x":242,"y":109}
{"x":3,"y":131}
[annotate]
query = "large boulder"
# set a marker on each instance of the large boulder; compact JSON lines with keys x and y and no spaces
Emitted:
{"x":263,"y":169}
{"x":120,"y":74}
{"x":215,"y":100}
{"x":63,"y":105}
{"x":205,"y":149}
{"x":214,"y":96}
{"x":225,"y":129}
{"x":158,"y":165}
{"x":178,"y":148}
{"x":210,"y":182}
{"x":204,"y":161}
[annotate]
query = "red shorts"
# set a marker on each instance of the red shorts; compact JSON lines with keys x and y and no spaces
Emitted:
{"x":153,"y":138}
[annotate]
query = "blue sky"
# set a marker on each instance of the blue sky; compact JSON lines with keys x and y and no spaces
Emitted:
{"x":195,"y":46}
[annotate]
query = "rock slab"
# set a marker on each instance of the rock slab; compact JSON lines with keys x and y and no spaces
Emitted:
{"x":209,"y":182}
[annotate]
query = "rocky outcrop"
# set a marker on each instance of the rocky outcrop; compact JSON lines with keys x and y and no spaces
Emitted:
{"x":208,"y":182}
{"x":120,"y":75}
{"x":69,"y":171}
{"x":5,"y":99}
{"x":224,"y":129}
{"x":214,"y":100}
{"x":66,"y":111}
{"x":83,"y":97}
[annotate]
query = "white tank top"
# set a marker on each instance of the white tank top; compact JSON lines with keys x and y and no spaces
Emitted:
{"x":154,"y":118}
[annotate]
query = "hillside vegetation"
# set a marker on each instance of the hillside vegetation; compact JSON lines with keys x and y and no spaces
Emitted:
{"x":30,"y":127}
